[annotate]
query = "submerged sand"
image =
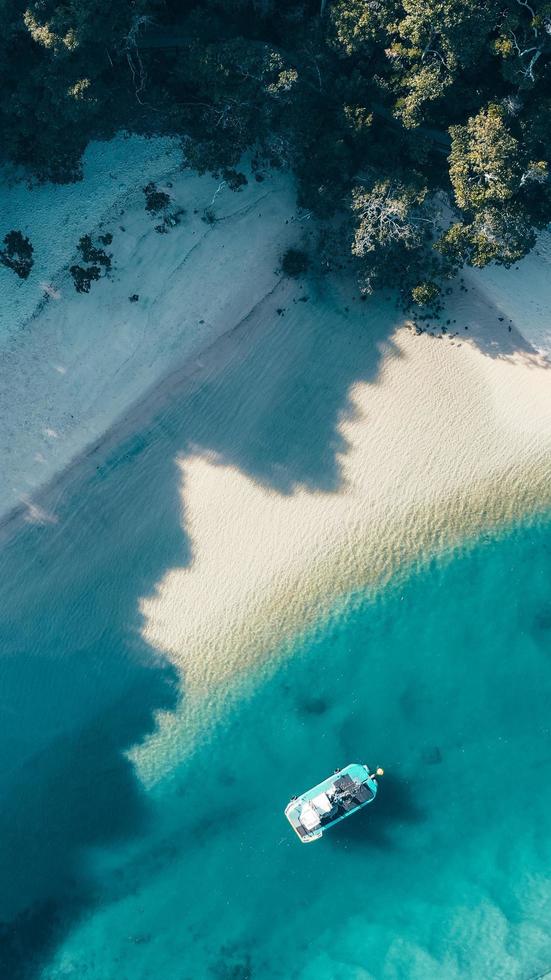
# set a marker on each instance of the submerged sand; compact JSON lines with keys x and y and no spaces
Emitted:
{"x":318,"y":444}
{"x":431,"y":440}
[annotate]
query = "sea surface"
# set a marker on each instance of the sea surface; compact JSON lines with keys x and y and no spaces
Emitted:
{"x":443,"y":678}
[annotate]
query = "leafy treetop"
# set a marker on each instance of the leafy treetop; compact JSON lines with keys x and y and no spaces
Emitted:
{"x":383,"y":108}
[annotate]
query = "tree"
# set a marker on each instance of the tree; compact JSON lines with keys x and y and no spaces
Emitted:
{"x":356,"y":25}
{"x":433,"y":44}
{"x":64,"y":75}
{"x":498,"y":187}
{"x":485,"y":160}
{"x":391,"y":230}
{"x":497,"y":234}
{"x":524,"y":41}
{"x":358,"y":97}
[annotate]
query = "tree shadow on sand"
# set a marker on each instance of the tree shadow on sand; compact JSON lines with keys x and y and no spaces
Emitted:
{"x":494,"y":333}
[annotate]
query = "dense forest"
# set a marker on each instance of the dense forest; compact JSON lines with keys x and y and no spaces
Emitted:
{"x":418,"y":130}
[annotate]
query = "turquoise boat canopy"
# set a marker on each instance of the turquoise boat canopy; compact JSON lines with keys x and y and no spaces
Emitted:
{"x":330,"y":801}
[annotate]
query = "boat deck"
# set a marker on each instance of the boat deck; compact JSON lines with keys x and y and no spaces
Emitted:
{"x":332,"y":800}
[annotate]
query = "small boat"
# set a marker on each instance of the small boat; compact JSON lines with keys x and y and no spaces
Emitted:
{"x":337,"y":797}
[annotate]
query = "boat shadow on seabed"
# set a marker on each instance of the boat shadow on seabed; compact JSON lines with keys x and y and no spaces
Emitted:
{"x":373,"y":826}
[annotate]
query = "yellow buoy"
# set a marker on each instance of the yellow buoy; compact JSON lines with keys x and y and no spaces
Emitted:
{"x":380,"y":772}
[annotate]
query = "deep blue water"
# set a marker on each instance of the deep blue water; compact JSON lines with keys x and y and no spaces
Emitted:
{"x":444,"y":679}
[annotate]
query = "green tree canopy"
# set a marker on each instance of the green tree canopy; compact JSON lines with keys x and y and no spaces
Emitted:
{"x":382,"y":108}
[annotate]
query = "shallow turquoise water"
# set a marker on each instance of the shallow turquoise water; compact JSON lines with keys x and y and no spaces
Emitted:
{"x":445,"y":679}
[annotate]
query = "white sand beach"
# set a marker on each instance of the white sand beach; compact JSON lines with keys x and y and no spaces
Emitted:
{"x":321,"y":444}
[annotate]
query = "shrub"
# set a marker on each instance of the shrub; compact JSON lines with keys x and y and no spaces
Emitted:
{"x":155,"y":200}
{"x":17,"y":254}
{"x":234,"y":179}
{"x":92,"y":254}
{"x":83,"y":278}
{"x":425,"y":293}
{"x":294,"y":263}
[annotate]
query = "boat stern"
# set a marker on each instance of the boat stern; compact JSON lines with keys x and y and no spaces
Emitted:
{"x":299,"y":821}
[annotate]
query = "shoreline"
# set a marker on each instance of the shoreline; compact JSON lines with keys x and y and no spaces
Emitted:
{"x":80,"y":362}
{"x":139,"y":413}
{"x":312,"y":444}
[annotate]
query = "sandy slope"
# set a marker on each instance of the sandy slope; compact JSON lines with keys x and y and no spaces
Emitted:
{"x":433,"y":439}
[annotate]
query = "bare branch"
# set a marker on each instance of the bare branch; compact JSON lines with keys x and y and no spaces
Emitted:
{"x":137,"y":70}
